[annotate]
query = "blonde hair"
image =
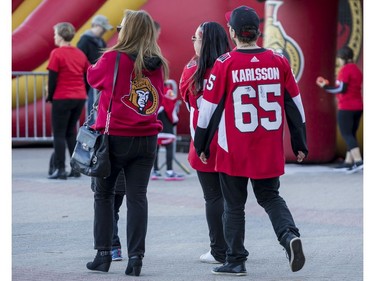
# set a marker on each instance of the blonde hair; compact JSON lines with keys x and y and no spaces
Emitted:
{"x":138,"y":37}
{"x":66,"y":30}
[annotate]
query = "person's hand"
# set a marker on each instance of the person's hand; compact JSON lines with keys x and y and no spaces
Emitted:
{"x":300,"y":156}
{"x":203,"y":158}
{"x":321,"y":82}
{"x":170,"y":95}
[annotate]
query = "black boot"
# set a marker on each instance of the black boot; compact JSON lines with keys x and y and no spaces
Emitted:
{"x":293,"y":247}
{"x":58,"y":174}
{"x":51,"y":167}
{"x":134,"y":266}
{"x":74,"y":174}
{"x":102,"y":261}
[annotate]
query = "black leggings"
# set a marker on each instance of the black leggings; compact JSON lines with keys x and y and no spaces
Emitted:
{"x":348,"y":121}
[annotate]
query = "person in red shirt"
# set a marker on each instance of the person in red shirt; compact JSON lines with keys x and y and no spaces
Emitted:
{"x":133,"y":130}
{"x":250,"y":93}
{"x":168,"y":116}
{"x":210,"y":41}
{"x":348,"y":92}
{"x":67,"y":68}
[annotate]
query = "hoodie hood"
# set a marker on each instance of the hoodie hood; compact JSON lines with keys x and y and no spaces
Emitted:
{"x":151,"y":63}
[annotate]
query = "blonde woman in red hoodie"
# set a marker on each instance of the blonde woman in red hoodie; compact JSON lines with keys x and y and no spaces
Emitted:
{"x":133,"y":130}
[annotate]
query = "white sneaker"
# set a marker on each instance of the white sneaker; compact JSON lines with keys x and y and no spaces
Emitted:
{"x":155,"y":175}
{"x":173,"y":176}
{"x":208,"y":258}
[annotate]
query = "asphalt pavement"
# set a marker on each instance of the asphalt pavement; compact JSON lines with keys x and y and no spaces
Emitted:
{"x":52,"y":223}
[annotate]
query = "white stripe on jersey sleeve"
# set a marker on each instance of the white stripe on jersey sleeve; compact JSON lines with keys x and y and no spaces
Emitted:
{"x":192,"y":130}
{"x":206,"y":111}
{"x":338,"y":89}
{"x":222,"y":133}
{"x":298,"y":101}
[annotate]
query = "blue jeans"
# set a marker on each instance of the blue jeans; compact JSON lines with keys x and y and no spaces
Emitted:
{"x":136,"y":156}
{"x":266,"y":192}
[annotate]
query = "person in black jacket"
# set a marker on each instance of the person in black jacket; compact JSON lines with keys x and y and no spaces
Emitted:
{"x":92,"y":44}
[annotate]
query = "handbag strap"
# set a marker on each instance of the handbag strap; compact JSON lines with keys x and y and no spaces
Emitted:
{"x":114,"y":80}
{"x":95,"y":105}
{"x":113,"y":90}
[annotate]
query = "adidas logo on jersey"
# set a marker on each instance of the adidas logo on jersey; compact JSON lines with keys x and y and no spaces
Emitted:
{"x":254,"y":59}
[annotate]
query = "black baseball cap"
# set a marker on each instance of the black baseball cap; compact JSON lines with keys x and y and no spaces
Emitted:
{"x":241,"y":17}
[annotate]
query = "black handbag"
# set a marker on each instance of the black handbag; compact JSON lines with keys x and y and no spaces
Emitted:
{"x":91,"y":153}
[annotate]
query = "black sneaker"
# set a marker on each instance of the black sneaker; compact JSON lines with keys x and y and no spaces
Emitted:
{"x":344,"y":166}
{"x":358,"y":166}
{"x":293,"y":247}
{"x":235,"y":269}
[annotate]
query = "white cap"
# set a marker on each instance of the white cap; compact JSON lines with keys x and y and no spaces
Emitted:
{"x":102,"y":21}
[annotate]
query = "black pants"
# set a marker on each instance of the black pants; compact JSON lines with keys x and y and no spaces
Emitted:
{"x":235,"y":195}
{"x":136,"y":156}
{"x":348,"y":121}
{"x":120,"y":190}
{"x":169,"y":157}
{"x":65,"y":114}
{"x":213,"y":197}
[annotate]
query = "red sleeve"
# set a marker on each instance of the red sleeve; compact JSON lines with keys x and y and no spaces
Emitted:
{"x":185,"y":79}
{"x":169,"y":104}
{"x":344,"y":74}
{"x":217,"y":82}
{"x":53,"y":63}
{"x":290,"y":81}
{"x":101,"y":72}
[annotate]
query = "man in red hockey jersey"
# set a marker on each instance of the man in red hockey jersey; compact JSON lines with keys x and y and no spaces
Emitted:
{"x":247,"y":93}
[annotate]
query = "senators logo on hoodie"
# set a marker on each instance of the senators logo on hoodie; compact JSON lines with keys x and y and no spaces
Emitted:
{"x":143,"y":97}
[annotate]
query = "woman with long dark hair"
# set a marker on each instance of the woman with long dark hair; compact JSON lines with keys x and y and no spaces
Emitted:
{"x":210,"y":41}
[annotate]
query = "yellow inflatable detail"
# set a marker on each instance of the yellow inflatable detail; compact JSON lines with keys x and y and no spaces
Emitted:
{"x":113,"y":9}
{"x":23,"y":11}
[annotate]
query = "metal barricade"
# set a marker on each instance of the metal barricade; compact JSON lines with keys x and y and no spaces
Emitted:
{"x":31,"y":115}
{"x":29,"y":109}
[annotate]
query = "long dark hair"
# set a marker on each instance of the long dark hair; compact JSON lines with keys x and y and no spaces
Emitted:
{"x":214,"y":43}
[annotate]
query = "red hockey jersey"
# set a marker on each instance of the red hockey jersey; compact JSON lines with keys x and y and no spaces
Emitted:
{"x":245,"y":98}
{"x":193,"y":103}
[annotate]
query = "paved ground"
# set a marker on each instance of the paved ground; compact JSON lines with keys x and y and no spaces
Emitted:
{"x":52,"y":227}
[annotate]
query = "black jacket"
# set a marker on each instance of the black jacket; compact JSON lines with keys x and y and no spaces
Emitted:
{"x":92,"y":46}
